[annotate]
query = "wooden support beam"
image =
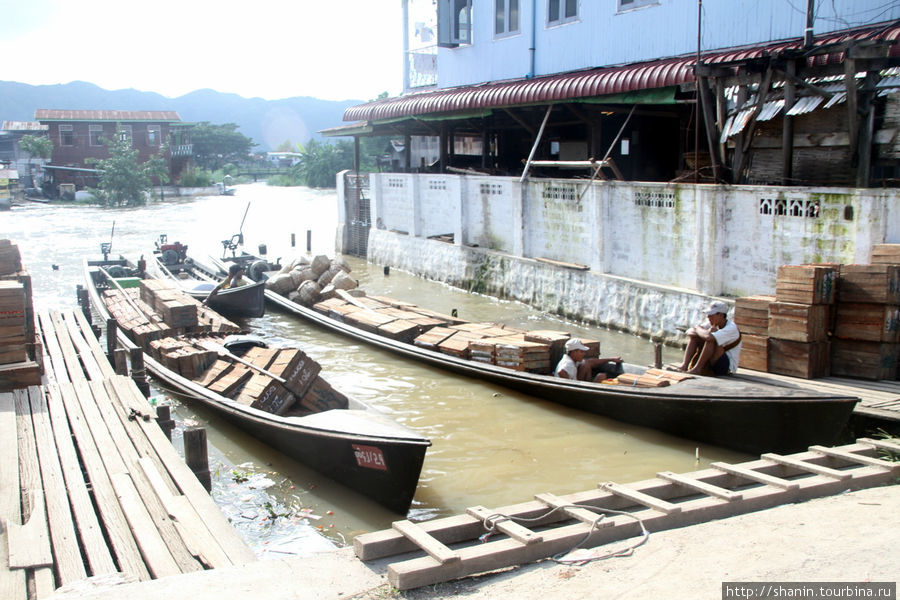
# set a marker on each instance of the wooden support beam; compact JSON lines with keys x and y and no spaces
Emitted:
{"x":853,"y":457}
{"x":700,"y":486}
{"x":787,"y":126}
{"x":756,"y":476}
{"x":525,"y":125}
{"x":641,"y":498}
{"x":504,"y":525}
{"x":423,"y":540}
{"x":807,"y":466}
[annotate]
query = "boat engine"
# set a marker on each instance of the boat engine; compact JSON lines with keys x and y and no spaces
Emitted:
{"x":171,"y":254}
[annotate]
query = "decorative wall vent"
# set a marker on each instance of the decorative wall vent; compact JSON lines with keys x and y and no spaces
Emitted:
{"x":789,"y":207}
{"x":437,"y":184}
{"x":396,"y":182}
{"x":491,"y":189}
{"x":560,"y":192}
{"x":654,"y":199}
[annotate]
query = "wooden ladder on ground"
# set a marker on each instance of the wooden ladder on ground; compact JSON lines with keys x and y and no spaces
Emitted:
{"x":457,"y":546}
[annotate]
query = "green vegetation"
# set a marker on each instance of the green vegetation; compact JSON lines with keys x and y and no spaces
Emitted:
{"x":320,"y":162}
{"x":37,"y":146}
{"x":123,"y":180}
{"x":215,"y":146}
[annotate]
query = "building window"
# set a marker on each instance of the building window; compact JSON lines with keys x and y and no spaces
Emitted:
{"x":629,"y":4}
{"x":561,"y":11}
{"x":454,"y":23}
{"x":506,"y":17}
{"x":125,"y":133}
{"x":96,"y":132}
{"x":66,"y":135}
{"x":153,"y":135}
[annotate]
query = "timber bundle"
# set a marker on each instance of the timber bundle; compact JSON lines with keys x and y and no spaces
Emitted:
{"x":831,"y":319}
{"x":187,"y":338}
{"x":20,"y":352}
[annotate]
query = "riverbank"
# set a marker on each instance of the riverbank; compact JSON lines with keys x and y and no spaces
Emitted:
{"x":851,"y":537}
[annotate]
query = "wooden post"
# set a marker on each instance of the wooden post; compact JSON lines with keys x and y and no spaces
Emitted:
{"x":787,"y":127}
{"x":164,"y":420}
{"x":196,"y":456}
{"x":120,"y":361}
{"x":111,"y":330}
{"x":657,"y":355}
{"x":293,"y":240}
{"x":309,"y":231}
{"x":84,"y":302}
{"x":138,"y":374}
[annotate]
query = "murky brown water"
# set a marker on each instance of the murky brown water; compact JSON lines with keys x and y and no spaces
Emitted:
{"x":491,"y":446}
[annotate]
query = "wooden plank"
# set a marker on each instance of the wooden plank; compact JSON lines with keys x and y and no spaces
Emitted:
{"x":154,"y":531}
{"x":806,"y":466}
{"x":856,"y":458}
{"x":700,"y":486}
{"x":198,"y":539}
{"x":231,"y":542}
{"x":56,"y":368}
{"x":581,"y":514}
{"x":504,"y":525}
{"x":79,"y":344}
{"x":33,"y":508}
{"x":641,"y":498}
{"x":96,"y":551}
{"x":127,"y":555}
{"x":12,"y":581}
{"x":69,"y":563}
{"x":756,"y":476}
{"x":73,"y":366}
{"x":882,"y":445}
{"x":76,"y":321}
{"x":433,"y":547}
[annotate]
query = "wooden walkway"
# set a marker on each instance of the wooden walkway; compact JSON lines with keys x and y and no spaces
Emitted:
{"x":878,"y":399}
{"x":89,"y":483}
{"x":485,"y":540}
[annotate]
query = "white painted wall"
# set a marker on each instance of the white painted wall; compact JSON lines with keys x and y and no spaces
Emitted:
{"x":602,"y":36}
{"x":704,"y":239}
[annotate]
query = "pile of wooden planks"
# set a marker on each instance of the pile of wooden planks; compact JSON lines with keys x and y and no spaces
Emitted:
{"x":842,"y":320}
{"x":21,"y":353}
{"x":169,"y":302}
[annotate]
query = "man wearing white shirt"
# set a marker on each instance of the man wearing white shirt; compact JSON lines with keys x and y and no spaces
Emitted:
{"x":716,"y":344}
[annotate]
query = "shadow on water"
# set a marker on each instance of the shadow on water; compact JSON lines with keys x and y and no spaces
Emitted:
{"x":491,"y":446}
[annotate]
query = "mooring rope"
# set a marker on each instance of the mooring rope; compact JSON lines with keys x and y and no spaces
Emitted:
{"x":492,"y":521}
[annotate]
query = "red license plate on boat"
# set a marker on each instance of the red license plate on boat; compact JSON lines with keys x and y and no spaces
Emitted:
{"x":369,"y":457}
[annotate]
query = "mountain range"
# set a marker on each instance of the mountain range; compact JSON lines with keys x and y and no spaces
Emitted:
{"x":269,"y":123}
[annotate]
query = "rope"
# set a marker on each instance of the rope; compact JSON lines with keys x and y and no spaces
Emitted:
{"x":492,"y":521}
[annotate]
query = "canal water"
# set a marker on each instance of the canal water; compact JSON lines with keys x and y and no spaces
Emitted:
{"x":491,"y":446}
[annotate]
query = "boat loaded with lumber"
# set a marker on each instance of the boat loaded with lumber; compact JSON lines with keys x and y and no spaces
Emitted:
{"x":727,"y":411}
{"x":274,"y":393}
{"x":198,"y":280}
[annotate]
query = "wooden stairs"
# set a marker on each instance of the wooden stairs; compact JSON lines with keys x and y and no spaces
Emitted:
{"x":485,"y":540}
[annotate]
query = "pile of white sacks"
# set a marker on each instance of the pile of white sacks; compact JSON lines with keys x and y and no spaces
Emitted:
{"x":308,"y":281}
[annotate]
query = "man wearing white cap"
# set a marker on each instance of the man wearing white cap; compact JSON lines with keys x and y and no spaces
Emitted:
{"x":574,"y":365}
{"x":714,"y":347}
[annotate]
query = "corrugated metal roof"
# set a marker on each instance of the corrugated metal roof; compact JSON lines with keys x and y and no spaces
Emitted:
{"x":47,"y":114}
{"x":595,"y":82}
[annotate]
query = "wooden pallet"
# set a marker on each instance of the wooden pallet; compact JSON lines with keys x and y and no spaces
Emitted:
{"x":454,"y":547}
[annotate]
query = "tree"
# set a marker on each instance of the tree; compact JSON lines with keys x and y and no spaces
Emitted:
{"x":215,"y":145}
{"x":320,"y":162}
{"x":286,"y":146}
{"x":37,"y":146}
{"x":123,"y":180}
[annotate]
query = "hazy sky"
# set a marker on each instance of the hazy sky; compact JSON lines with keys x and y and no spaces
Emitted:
{"x":330,"y":49}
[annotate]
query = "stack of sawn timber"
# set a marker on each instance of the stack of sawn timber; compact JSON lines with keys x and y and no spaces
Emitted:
{"x":532,"y":351}
{"x":867,"y":323}
{"x":789,"y":333}
{"x":20,"y":350}
{"x":842,"y":320}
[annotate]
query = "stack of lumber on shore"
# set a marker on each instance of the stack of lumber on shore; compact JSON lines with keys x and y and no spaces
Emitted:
{"x":533,"y":351}
{"x":20,"y":350}
{"x":842,"y":320}
{"x":867,"y":323}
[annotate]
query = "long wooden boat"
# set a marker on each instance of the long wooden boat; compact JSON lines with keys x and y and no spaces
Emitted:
{"x":729,"y":412}
{"x":198,"y":280}
{"x":342,"y":438}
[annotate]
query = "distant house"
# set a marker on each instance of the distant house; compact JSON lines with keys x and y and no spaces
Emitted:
{"x":77,"y":135}
{"x":11,"y":132}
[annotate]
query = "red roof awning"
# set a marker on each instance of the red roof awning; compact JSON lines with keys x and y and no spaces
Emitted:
{"x":597,"y":82}
{"x":46,"y":114}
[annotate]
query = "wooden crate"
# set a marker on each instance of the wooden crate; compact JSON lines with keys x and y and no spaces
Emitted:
{"x":879,"y":284}
{"x":798,"y":359}
{"x":864,"y":360}
{"x":806,"y":284}
{"x":400,"y":330}
{"x":297,"y":369}
{"x":434,"y":336}
{"x":754,"y":352}
{"x":751,"y":314}
{"x":10,"y":259}
{"x":555,"y":339}
{"x":867,"y":322}
{"x":886,"y":254}
{"x":799,"y":322}
{"x":368,"y":320}
{"x":321,"y":397}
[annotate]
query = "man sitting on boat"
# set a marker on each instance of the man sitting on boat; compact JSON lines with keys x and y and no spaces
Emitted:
{"x":234,"y":279}
{"x":714,"y":347}
{"x":574,"y":365}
